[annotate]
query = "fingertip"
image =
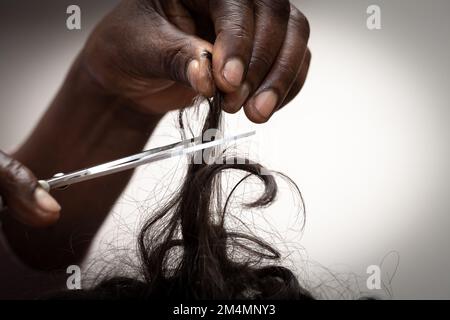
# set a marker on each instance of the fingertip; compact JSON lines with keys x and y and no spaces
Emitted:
{"x":34,"y":216}
{"x":253,"y":116}
{"x":235,"y":100}
{"x":260,"y":108}
{"x":45,"y":201}
{"x":200,"y":78}
{"x":230,"y":108}
{"x":228,"y":71}
{"x":47,"y":218}
{"x":229,"y":77}
{"x":192,"y":72}
{"x":207,"y":87}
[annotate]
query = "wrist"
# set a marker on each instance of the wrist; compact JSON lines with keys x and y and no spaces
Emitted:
{"x":85,"y":84}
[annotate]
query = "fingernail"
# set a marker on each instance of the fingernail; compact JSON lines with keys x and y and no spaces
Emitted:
{"x":233,"y":72}
{"x":192,"y":72}
{"x":206,"y":82}
{"x":45,"y":201}
{"x":199,"y":76}
{"x":265,"y":102}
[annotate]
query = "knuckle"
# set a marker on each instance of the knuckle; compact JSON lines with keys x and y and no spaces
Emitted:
{"x":261,"y":59}
{"x":233,"y":22}
{"x":231,"y":6}
{"x":176,"y":60}
{"x":279,"y":8}
{"x":12,"y":166}
{"x":232,"y":25}
{"x":145,"y":5}
{"x":287,"y":70}
{"x":14,"y":173}
{"x":232,"y":16}
{"x":301,"y":22}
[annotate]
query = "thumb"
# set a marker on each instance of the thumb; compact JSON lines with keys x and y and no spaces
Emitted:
{"x":178,"y":55}
{"x":25,"y":199}
{"x":187,"y":59}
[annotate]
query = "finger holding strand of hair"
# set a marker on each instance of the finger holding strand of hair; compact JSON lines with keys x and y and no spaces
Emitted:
{"x":186,"y":61}
{"x":277,"y":84}
{"x":234,"y":26}
{"x":198,"y":70}
{"x":150,"y":49}
{"x":271,"y":21}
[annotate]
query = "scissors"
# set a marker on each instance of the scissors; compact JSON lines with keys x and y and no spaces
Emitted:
{"x":62,"y":181}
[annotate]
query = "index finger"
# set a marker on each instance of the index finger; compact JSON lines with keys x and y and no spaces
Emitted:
{"x":234,"y":27}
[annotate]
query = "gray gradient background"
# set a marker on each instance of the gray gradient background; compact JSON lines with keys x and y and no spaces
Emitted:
{"x":367,"y":140}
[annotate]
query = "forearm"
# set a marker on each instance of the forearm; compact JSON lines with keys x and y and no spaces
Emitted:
{"x":82,"y":127}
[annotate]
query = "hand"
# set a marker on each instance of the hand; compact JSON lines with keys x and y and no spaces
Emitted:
{"x":155,"y":53}
{"x":21,"y":192}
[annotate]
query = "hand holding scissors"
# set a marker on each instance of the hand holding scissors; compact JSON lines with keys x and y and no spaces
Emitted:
{"x":17,"y":193}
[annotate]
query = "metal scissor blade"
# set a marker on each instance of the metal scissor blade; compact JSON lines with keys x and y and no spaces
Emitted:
{"x":127,"y":163}
{"x":143,"y":154}
{"x":61,"y":180}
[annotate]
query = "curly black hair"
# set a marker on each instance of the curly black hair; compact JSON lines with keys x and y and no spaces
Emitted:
{"x":187,"y":253}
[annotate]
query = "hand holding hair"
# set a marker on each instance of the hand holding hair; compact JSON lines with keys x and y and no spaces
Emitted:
{"x":153,"y":53}
{"x":144,"y":59}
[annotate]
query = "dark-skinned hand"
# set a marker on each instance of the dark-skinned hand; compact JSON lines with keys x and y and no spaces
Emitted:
{"x":154,"y":53}
{"x":159,"y":55}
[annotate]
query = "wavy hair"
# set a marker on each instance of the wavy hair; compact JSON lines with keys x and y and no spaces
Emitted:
{"x":186,"y":251}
